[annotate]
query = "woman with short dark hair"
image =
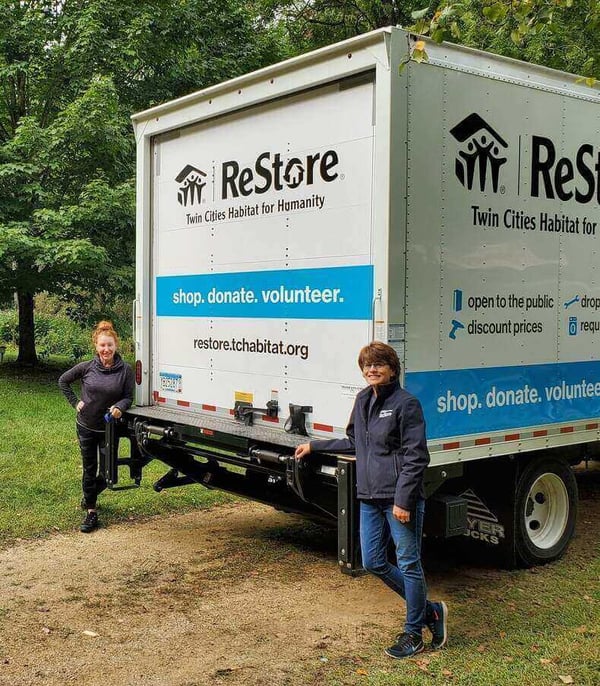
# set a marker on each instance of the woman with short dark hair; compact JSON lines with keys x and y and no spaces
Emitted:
{"x":386,"y":432}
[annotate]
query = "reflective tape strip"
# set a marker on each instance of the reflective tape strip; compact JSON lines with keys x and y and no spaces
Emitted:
{"x":508,"y":438}
{"x":227,"y":412}
{"x":323,"y":427}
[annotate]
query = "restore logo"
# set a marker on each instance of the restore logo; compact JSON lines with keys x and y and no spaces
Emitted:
{"x":480,"y":156}
{"x":192,"y":183}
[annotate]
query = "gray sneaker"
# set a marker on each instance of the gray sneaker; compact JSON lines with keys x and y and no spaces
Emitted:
{"x":406,"y":645}
{"x":437,"y":623}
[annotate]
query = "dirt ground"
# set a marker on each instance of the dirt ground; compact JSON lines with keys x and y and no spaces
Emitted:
{"x":239,"y":594}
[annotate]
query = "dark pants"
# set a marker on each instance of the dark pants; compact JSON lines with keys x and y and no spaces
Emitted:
{"x":91,"y":443}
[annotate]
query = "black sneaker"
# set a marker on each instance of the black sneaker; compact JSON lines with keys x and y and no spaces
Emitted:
{"x":406,"y":645}
{"x":437,"y":623}
{"x":89,"y":523}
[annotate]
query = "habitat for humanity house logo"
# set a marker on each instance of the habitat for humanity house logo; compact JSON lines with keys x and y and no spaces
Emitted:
{"x":480,"y":157}
{"x":192,"y":182}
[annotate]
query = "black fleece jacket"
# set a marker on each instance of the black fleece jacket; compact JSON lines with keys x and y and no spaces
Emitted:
{"x":388,"y":439}
{"x":101,"y":387}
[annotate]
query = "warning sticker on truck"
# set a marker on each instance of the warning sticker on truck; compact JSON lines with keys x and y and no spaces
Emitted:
{"x":170,"y":382}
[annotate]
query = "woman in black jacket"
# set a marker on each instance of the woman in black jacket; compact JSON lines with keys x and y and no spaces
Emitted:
{"x":107,"y":385}
{"x":386,"y":432}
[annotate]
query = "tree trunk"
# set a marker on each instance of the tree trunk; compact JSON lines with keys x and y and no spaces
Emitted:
{"x":27,"y":355}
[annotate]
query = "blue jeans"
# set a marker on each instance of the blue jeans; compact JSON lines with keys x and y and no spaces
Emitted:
{"x":406,"y":577}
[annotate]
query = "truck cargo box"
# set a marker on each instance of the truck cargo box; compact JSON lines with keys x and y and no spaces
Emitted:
{"x":449,"y":208}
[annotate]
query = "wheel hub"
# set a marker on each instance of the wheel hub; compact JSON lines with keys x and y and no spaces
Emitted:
{"x":546,"y":511}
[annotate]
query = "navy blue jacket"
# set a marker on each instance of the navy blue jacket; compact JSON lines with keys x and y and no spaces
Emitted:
{"x":388,"y":439}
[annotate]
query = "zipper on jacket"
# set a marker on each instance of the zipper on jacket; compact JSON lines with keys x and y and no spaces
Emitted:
{"x":369,"y":412}
{"x":368,"y":454}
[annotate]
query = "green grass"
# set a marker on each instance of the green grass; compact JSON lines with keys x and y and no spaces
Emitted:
{"x":536,"y":627}
{"x":522,"y":629}
{"x":40,"y":464}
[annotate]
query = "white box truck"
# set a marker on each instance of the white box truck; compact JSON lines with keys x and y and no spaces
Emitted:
{"x":450,"y":208}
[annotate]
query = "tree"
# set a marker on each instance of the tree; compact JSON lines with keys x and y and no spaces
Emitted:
{"x":54,"y":183}
{"x":313,"y":23}
{"x":562,"y":34}
{"x":72,"y":72}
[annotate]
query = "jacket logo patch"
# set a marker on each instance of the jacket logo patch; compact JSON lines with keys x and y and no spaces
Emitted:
{"x":385,"y":413}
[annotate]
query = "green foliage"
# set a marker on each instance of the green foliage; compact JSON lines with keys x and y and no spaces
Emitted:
{"x":54,"y":335}
{"x":560,"y":34}
{"x":72,"y":73}
{"x":9,"y":324}
{"x":317,"y":23}
{"x":63,"y":326}
{"x":61,"y":336}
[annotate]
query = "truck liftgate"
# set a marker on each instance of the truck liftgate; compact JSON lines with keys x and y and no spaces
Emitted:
{"x":247,"y":462}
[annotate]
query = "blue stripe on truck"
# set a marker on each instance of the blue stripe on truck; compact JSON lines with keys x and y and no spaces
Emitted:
{"x":325,"y":293}
{"x":459,"y":402}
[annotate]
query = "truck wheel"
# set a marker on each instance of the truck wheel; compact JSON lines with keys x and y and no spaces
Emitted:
{"x":546,"y":507}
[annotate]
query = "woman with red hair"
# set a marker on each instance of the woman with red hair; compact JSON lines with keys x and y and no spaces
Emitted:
{"x":107,"y":385}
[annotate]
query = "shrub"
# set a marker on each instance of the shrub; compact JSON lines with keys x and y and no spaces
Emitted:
{"x":54,"y":335}
{"x":61,"y":336}
{"x":9,"y":326}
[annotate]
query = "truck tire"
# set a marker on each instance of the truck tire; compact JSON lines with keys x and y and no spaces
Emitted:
{"x":546,"y":510}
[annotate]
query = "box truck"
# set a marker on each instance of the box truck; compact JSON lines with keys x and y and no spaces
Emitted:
{"x":449,"y":208}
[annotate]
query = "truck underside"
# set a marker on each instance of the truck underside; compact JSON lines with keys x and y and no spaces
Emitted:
{"x":258,"y":464}
{"x":518,"y":510}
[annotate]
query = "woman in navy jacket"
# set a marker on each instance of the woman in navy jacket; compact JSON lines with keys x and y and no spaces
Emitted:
{"x":386,"y":432}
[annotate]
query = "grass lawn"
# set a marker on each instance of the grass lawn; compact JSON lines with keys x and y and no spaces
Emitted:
{"x":40,"y":464}
{"x":537,"y":627}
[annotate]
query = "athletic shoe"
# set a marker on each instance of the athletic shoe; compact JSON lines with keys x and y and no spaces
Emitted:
{"x":437,"y":623}
{"x":406,"y":645}
{"x":89,"y":523}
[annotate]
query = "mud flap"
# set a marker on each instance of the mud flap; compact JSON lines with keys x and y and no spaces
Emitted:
{"x":489,"y":487}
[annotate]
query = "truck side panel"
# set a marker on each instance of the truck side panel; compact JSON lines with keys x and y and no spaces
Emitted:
{"x":503,"y":294}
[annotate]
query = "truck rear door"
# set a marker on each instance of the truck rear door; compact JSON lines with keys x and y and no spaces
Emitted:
{"x":262,"y":255}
